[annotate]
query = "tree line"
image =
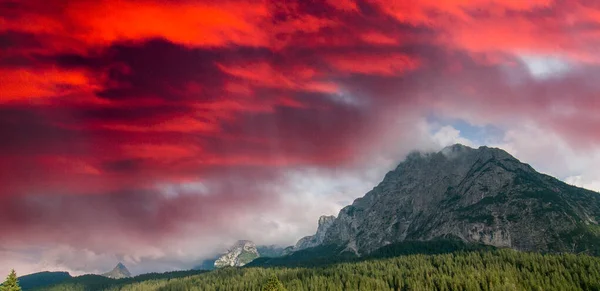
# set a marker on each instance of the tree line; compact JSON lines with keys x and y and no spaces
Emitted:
{"x":502,"y":269}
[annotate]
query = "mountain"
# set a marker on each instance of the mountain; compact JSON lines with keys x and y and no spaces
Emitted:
{"x":482,"y":195}
{"x":42,"y":279}
{"x":119,"y":272}
{"x":241,"y":253}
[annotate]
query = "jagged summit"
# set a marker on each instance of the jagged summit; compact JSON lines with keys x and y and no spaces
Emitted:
{"x":482,"y":195}
{"x":118,"y":272}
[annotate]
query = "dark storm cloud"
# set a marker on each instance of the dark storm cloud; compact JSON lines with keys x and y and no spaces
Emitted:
{"x":159,"y":69}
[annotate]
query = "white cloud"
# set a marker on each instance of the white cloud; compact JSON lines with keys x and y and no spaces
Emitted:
{"x":584,"y":181}
{"x":545,"y":66}
{"x":22,"y":262}
{"x":172,"y":190}
{"x":549,"y":153}
{"x":448,"y":135}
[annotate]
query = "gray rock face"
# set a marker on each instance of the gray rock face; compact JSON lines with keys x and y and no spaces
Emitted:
{"x":119,"y":272}
{"x":314,"y":240}
{"x":241,"y":253}
{"x":478,"y":195}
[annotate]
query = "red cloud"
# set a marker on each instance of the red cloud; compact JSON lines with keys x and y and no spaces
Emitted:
{"x":264,"y":74}
{"x":387,"y":65}
{"x":104,"y":103}
{"x":186,"y":22}
{"x":38,"y":84}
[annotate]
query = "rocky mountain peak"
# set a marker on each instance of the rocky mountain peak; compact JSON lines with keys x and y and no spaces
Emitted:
{"x":118,"y":272}
{"x":241,"y":253}
{"x":481,"y":195}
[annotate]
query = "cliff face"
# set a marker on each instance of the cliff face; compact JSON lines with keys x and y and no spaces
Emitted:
{"x":477,"y":195}
{"x":241,"y":253}
{"x":314,"y":240}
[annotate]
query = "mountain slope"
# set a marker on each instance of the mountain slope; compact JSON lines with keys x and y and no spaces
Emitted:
{"x":241,"y":253}
{"x":119,"y":272}
{"x":326,"y":255}
{"x":41,"y":279}
{"x":98,"y":282}
{"x":477,"y":195}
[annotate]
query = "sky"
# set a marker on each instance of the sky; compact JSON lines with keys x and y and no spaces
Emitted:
{"x":157,"y":133}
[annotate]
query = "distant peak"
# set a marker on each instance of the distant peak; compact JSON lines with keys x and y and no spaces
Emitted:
{"x":118,"y":272}
{"x":241,"y":253}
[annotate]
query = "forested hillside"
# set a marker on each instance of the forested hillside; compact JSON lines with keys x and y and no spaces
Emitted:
{"x":477,"y":270}
{"x":41,"y":279}
{"x":99,"y":282}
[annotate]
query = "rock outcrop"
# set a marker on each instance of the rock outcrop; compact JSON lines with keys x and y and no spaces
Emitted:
{"x":482,"y":195}
{"x":241,"y":253}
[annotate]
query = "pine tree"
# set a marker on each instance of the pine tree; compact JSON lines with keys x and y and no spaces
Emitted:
{"x":11,"y":283}
{"x":273,"y":285}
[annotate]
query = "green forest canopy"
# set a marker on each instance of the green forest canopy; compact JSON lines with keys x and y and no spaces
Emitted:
{"x":464,"y":270}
